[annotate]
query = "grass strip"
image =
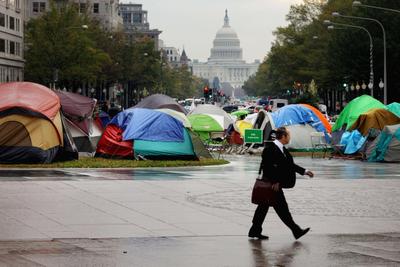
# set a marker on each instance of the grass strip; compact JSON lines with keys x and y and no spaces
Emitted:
{"x":119,"y":163}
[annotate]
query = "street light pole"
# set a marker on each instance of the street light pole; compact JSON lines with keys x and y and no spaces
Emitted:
{"x":337,"y":14}
{"x":359,"y":4}
{"x":371,"y":47}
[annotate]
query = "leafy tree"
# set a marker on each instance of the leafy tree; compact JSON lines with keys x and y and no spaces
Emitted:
{"x":61,"y":50}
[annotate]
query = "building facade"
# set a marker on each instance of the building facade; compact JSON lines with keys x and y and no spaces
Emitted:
{"x":11,"y":41}
{"x":105,"y":11}
{"x":135,"y":23}
{"x":226,"y":62}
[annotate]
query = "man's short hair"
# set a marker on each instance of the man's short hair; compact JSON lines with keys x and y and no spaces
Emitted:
{"x":281,"y":132}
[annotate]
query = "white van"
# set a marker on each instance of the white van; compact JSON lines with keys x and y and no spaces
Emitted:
{"x":275,"y":104}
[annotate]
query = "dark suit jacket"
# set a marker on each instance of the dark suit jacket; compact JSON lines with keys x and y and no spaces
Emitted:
{"x":279,"y":167}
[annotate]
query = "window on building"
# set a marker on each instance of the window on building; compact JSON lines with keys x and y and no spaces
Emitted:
{"x":11,"y":2}
{"x":17,"y":4}
{"x":2,"y":45}
{"x":137,"y":18}
{"x":82,"y":7}
{"x":42,"y":7}
{"x":35,"y":7}
{"x":2,"y":20}
{"x":17,"y":48}
{"x":96,"y":8}
{"x":12,"y":48}
{"x":17,"y":25}
{"x":12,"y":23}
{"x":126,"y":17}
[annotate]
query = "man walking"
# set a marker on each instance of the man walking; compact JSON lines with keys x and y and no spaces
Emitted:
{"x":278,"y":167}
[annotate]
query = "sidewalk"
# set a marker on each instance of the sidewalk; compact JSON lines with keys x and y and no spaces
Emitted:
{"x":198,"y":217}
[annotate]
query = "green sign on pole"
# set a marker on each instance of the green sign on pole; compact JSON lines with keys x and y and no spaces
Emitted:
{"x":253,"y":136}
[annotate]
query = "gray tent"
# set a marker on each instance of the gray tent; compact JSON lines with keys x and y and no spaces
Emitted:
{"x":159,"y":101}
{"x":386,"y":147}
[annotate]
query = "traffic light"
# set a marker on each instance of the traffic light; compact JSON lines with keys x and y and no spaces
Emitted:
{"x":206,"y":91}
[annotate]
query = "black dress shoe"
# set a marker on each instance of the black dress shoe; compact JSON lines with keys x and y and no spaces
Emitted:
{"x":301,"y":233}
{"x":259,"y":236}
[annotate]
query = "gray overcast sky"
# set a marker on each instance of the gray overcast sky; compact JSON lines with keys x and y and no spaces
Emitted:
{"x":194,"y":23}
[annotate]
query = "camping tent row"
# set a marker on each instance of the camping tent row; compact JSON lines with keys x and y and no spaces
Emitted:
{"x":300,"y":119}
{"x":38,"y":125}
{"x":362,"y":123}
{"x":32,"y":126}
{"x":156,"y":128}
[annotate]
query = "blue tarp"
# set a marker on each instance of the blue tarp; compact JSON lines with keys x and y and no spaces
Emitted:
{"x":352,"y":141}
{"x":297,"y":114}
{"x":148,"y":125}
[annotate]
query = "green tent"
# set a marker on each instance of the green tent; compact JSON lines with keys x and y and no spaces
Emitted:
{"x":394,"y":108}
{"x":166,"y":149}
{"x":354,"y":109}
{"x":239,"y":113}
{"x":203,"y":124}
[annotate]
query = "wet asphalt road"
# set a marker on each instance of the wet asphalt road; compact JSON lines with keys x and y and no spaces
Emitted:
{"x":198,"y":217}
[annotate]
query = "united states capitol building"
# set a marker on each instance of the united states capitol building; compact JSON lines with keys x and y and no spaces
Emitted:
{"x":226,"y":61}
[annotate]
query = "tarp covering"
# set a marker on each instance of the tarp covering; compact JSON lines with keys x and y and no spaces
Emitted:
{"x":376,"y":118}
{"x":112,"y":145}
{"x":394,"y":108}
{"x":297,"y":114}
{"x":320,"y":116}
{"x":354,"y":109}
{"x":148,"y":125}
{"x":352,"y":141}
{"x":78,"y":109}
{"x":177,"y":115}
{"x":158,"y":101}
{"x":29,"y":96}
{"x":387,"y":147}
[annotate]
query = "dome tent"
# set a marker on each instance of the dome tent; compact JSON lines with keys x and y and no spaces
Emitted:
{"x":376,"y":118}
{"x":160,"y":101}
{"x":386,"y":147}
{"x":78,"y":111}
{"x":152,"y":134}
{"x":354,"y":109}
{"x":32,"y":127}
{"x":298,"y":119}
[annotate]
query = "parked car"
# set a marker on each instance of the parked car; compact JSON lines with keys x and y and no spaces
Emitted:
{"x":230,"y":108}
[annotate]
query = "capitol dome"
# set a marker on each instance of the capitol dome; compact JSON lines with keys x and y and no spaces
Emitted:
{"x":226,"y":32}
{"x":226,"y":44}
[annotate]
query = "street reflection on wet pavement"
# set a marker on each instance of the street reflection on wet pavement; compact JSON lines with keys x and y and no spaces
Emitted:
{"x":197,"y":216}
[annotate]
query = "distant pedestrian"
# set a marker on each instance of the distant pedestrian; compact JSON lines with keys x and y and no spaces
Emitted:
{"x":278,"y":167}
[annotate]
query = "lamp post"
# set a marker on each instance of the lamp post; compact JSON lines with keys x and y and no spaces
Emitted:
{"x":371,"y":48}
{"x":104,"y":94}
{"x":337,"y":14}
{"x":359,"y":4}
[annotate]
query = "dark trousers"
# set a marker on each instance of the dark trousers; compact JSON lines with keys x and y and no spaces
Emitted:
{"x":281,"y":208}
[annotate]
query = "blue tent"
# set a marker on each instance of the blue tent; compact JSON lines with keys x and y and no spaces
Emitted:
{"x":297,"y":114}
{"x":155,"y":134}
